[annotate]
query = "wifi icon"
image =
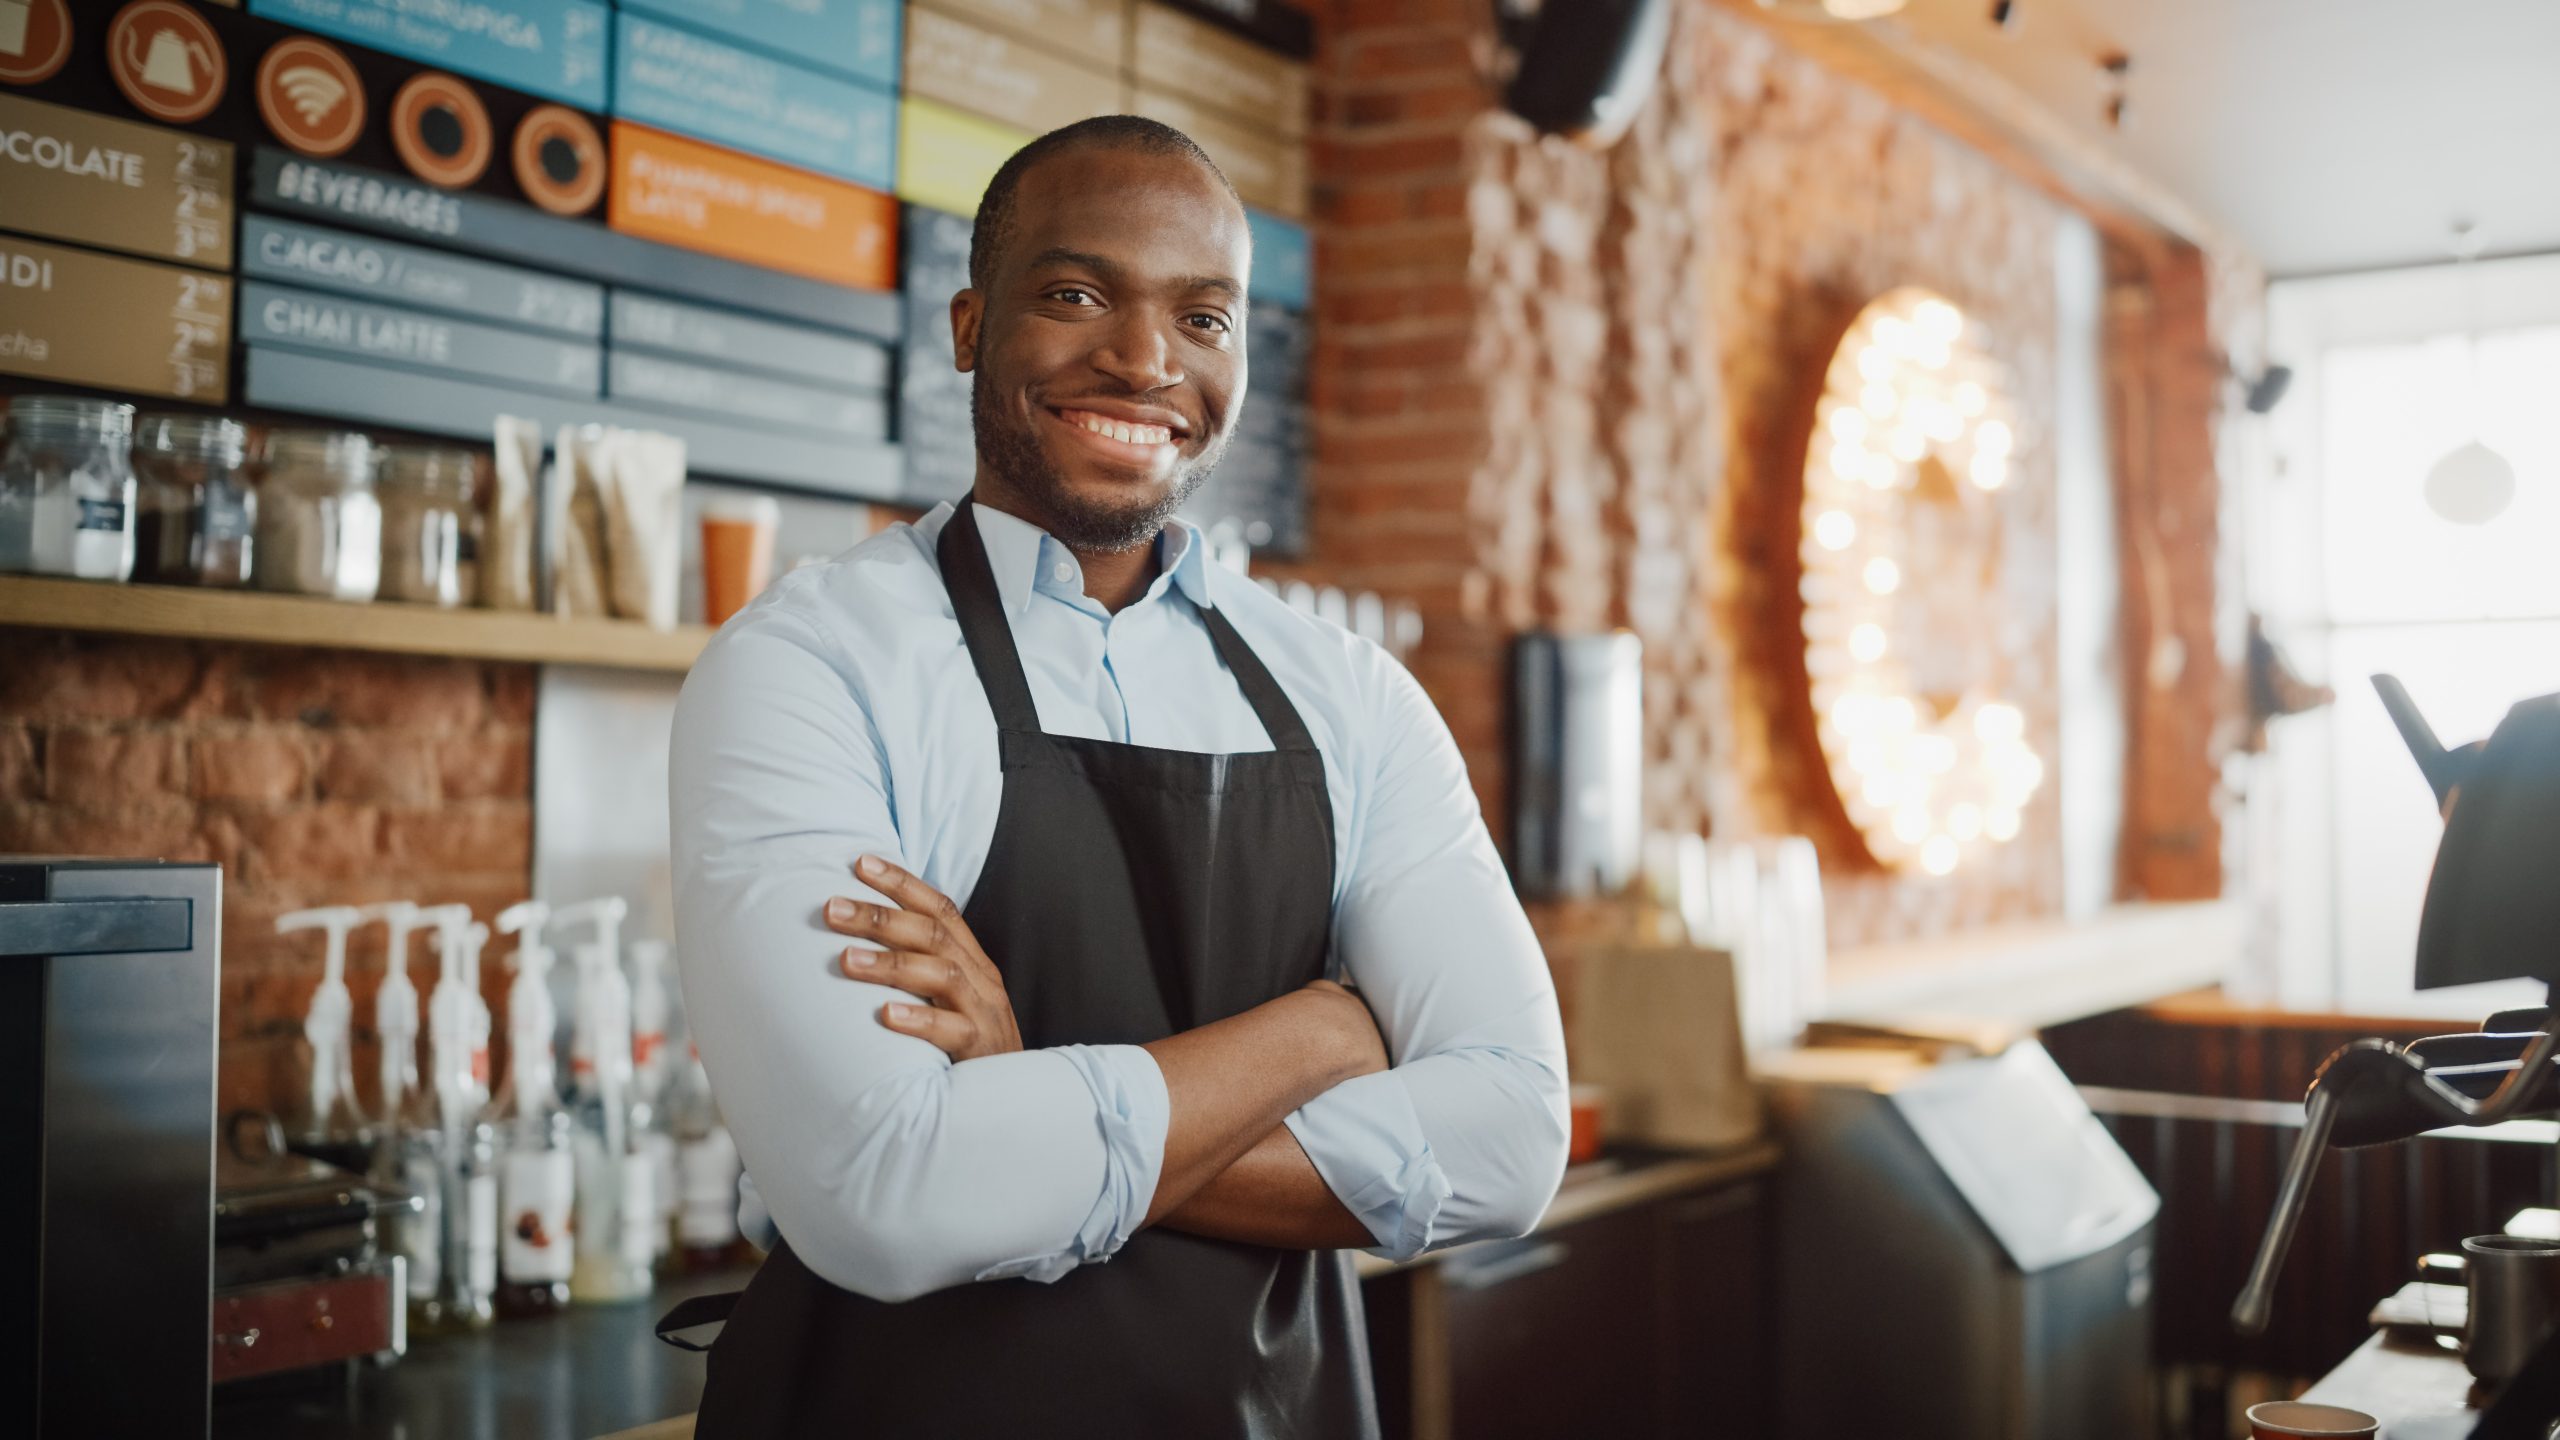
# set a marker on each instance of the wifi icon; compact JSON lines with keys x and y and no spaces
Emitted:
{"x":310,"y":97}
{"x":314,"y":92}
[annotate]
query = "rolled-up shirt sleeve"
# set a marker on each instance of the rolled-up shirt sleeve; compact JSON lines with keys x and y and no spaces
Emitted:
{"x":1464,"y":1138}
{"x":890,"y":1170}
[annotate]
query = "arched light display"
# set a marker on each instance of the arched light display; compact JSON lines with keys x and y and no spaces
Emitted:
{"x":1912,"y":440}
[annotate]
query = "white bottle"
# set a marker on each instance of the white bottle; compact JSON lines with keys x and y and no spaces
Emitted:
{"x":707,"y":1162}
{"x":458,"y":1040}
{"x":410,"y":1153}
{"x":334,"y":1126}
{"x":617,"y":1205}
{"x":653,"y":1072}
{"x":536,"y":1175}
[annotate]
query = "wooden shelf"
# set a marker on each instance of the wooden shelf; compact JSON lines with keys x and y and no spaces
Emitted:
{"x":262,"y":619}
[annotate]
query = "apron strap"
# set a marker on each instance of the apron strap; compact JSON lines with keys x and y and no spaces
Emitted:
{"x":1270,"y":703}
{"x":697,"y":1311}
{"x":979,"y":607}
{"x":980,"y":610}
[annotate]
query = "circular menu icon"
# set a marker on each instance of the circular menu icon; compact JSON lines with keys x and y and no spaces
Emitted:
{"x":310,"y":96}
{"x":166,"y":60}
{"x":559,"y":160}
{"x":441,"y":130}
{"x":35,"y":38}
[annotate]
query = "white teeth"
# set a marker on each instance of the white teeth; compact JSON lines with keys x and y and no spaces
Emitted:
{"x":1127,"y":434}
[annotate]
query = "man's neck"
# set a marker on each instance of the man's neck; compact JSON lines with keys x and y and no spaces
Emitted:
{"x":1115,"y":578}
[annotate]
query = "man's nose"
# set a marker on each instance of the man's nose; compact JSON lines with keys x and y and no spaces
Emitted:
{"x":1138,"y":354}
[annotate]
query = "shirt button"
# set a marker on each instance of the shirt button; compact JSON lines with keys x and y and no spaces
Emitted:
{"x":1063,"y":571}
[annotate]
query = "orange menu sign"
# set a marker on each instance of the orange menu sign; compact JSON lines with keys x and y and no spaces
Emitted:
{"x":683,"y":192}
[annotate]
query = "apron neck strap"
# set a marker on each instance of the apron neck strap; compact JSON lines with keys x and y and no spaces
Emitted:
{"x":975,"y":601}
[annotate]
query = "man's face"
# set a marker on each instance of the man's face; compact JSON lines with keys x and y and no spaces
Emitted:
{"x":1108,"y":347}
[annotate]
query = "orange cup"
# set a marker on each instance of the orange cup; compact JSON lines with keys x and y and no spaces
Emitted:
{"x":737,"y":553}
{"x":1590,"y":1106}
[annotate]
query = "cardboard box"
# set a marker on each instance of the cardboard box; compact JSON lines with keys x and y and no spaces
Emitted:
{"x":1269,"y":171}
{"x":1016,"y":82}
{"x":682,"y":192}
{"x":1257,"y":89}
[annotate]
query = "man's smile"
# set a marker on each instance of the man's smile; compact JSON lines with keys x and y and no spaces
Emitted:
{"x":1149,"y":441}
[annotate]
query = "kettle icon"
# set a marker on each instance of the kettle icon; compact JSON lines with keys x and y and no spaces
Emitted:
{"x":170,"y":63}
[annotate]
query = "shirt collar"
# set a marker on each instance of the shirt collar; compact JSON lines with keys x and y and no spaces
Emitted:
{"x":1018,"y":549}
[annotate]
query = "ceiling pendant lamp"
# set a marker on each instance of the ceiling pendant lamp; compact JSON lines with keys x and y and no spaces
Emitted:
{"x":2471,"y":484}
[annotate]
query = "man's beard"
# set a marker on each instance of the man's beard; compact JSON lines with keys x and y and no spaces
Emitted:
{"x":1072,"y":521}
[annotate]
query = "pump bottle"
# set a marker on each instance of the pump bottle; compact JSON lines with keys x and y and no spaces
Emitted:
{"x":332,"y":1128}
{"x":467,"y":1176}
{"x":617,"y":1207}
{"x":536,"y":1177}
{"x":410,"y":1154}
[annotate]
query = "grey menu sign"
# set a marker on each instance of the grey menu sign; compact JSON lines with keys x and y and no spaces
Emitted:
{"x":933,"y":398}
{"x":389,"y":205}
{"x":654,"y":380}
{"x":740,"y":342}
{"x":326,"y":259}
{"x":273,"y":314}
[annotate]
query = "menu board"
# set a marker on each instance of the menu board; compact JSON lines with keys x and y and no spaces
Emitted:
{"x":646,"y":379}
{"x":933,"y":398}
{"x":1173,"y":51}
{"x":1283,"y":265}
{"x":694,"y":85}
{"x":73,"y":175}
{"x":1268,"y":170}
{"x":272,"y":314}
{"x":858,"y":37}
{"x":81,"y":318}
{"x":682,"y":192}
{"x":742,"y":342}
{"x":1260,"y":483}
{"x":1020,"y":82}
{"x":946,"y":157}
{"x":385,"y":270}
{"x":1090,"y":30}
{"x":551,"y":48}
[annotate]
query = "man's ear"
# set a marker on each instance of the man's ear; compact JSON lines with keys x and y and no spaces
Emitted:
{"x":967,"y":309}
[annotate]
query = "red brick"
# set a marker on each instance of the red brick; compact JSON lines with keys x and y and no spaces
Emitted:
{"x":103,"y":768}
{"x":160,"y":827}
{"x":1435,"y":55}
{"x":312,"y":843}
{"x":51,"y":676}
{"x":335,"y":687}
{"x":512,"y":689}
{"x":264,"y":766}
{"x":482,"y":837}
{"x":1372,"y":158}
{"x":381,"y":767}
{"x":21,"y":764}
{"x":491,"y":763}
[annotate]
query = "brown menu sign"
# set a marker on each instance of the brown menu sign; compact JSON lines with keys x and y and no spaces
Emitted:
{"x":72,"y":175}
{"x":88,"y":319}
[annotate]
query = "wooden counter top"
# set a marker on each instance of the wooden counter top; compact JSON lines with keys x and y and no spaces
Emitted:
{"x":1614,"y":1184}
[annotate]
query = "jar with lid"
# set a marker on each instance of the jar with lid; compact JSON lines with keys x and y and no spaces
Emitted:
{"x":66,"y":488}
{"x":319,"y":524}
{"x":193,"y":509}
{"x":430,"y":525}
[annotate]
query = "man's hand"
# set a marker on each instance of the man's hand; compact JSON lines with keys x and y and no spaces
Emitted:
{"x":927,"y":951}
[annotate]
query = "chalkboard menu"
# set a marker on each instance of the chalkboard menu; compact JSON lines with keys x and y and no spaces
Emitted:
{"x":933,"y":398}
{"x":1260,"y":484}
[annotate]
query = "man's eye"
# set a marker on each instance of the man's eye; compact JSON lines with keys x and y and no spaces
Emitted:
{"x":1071,"y":295}
{"x":1215,"y":324}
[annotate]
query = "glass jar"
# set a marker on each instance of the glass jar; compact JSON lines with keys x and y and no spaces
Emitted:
{"x":430,"y":525}
{"x":66,"y":488}
{"x":319,"y":524}
{"x":193,"y":508}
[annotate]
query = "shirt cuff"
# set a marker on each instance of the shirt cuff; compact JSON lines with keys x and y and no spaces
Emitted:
{"x":1366,"y":1141}
{"x":1134,"y":1110}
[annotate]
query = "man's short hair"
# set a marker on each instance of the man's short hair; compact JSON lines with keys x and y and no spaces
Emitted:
{"x":1103,"y":132}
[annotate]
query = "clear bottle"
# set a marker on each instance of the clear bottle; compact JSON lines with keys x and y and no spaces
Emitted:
{"x":194,"y":511}
{"x":653,"y":1075}
{"x":66,"y":488}
{"x":536,"y":1174}
{"x":617,"y":1205}
{"x":430,"y":525}
{"x":409,"y":1153}
{"x":319,"y":521}
{"x":707,"y":1168}
{"x":331,"y":1127}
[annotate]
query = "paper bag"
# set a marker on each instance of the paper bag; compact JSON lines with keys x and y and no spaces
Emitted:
{"x":1658,"y":1026}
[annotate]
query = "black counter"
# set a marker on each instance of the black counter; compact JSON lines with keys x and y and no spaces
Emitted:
{"x":591,"y":1371}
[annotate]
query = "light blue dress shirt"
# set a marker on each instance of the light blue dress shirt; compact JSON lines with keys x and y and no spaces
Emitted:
{"x":839,"y":715}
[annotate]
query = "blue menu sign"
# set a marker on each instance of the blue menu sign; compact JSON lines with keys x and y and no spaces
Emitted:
{"x":856,"y":37}
{"x":1282,"y":265}
{"x":551,"y":48}
{"x":695,"y":85}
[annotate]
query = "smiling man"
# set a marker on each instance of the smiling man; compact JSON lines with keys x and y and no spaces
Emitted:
{"x":1019,"y":852}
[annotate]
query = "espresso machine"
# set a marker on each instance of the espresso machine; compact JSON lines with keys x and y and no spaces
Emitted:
{"x":2492,"y":913}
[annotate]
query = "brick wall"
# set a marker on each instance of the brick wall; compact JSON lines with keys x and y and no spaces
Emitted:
{"x":313,"y":777}
{"x":1556,"y":388}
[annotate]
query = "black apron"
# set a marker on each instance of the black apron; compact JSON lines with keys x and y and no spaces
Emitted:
{"x":1129,"y":893}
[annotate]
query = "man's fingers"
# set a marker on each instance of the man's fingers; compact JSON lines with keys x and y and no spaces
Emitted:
{"x":915,"y":897}
{"x":934,"y":978}
{"x":948,"y":1030}
{"x":895,"y":928}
